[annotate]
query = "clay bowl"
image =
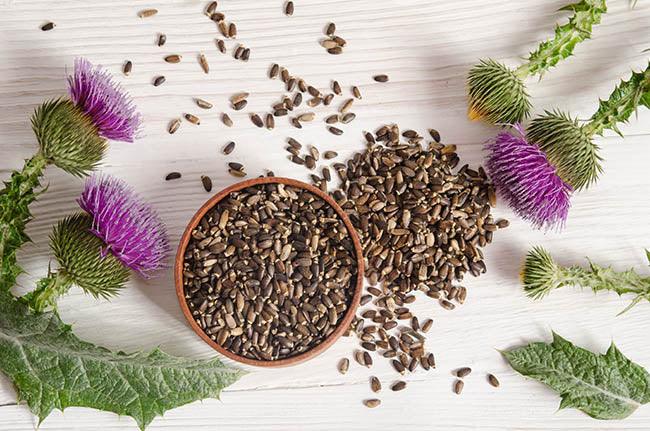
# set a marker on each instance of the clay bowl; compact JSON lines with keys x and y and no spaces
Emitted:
{"x":327,"y":342}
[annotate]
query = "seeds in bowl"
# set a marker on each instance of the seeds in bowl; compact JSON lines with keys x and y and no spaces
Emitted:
{"x":270,"y":272}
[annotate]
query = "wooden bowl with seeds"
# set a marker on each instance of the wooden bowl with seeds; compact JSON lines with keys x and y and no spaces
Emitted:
{"x":269,"y":272}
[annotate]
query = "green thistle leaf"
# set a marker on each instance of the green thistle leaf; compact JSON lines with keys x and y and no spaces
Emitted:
{"x":15,"y":199}
{"x":496,"y":94}
{"x":607,"y":387}
{"x":53,"y":369}
{"x":541,"y":274}
{"x":586,"y":14}
{"x":568,"y":146}
{"x":622,"y":103}
{"x":67,"y":137}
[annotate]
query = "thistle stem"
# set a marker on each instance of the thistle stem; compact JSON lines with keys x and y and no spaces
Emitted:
{"x":48,"y":290}
{"x":15,"y":199}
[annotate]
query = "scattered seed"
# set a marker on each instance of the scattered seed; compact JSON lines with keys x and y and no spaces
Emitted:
{"x":193,"y":119}
{"x":344,"y":364}
{"x":236,"y":173}
{"x":347,"y":105}
{"x":239,"y":105}
{"x":398,"y":386}
{"x":158,"y":81}
{"x":330,"y":29}
{"x":339,"y":40}
{"x":375,"y":384}
{"x":335,"y":131}
{"x":458,"y":387}
{"x":146,"y":13}
{"x":289,"y":8}
{"x":328,"y":155}
{"x":207,"y":183}
{"x":332,"y":119}
{"x":336,"y":87}
{"x":48,"y":26}
{"x":230,"y":146}
{"x":204,"y":63}
{"x":463,"y":372}
{"x":372,"y":403}
{"x":221,"y":45}
{"x":255,"y":119}
{"x":356,"y":92}
{"x":128,"y":66}
{"x":274,"y":71}
{"x":211,"y":8}
{"x":225,"y":119}
{"x":493,"y":380}
{"x":335,"y":51}
{"x":427,"y":325}
{"x":270,"y":122}
{"x":306,"y":117}
{"x":381,"y":78}
{"x":162,"y":39}
{"x":435,"y":135}
{"x":173,"y":126}
{"x":232,"y":30}
{"x":172,"y":176}
{"x":173,"y":58}
{"x":347,"y":118}
{"x":203,"y":103}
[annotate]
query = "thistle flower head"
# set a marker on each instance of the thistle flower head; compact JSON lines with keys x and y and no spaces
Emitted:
{"x":568,"y":147}
{"x":67,"y":137}
{"x":79,"y":254}
{"x":496,"y":94}
{"x":539,"y":273}
{"x":527,"y":181}
{"x":93,"y":90}
{"x":130,"y":229}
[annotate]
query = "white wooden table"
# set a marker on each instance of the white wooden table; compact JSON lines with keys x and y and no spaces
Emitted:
{"x":426,"y":47}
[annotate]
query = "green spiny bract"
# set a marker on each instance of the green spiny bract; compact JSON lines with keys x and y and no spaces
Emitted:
{"x":67,"y":137}
{"x":586,"y":14}
{"x":15,"y":199}
{"x":496,"y":94}
{"x":541,"y":274}
{"x":568,"y":146}
{"x":622,"y":103}
{"x":81,"y":262}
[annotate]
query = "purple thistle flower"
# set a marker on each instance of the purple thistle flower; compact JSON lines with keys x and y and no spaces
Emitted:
{"x":527,"y":181}
{"x":93,"y":90}
{"x":130,"y":228}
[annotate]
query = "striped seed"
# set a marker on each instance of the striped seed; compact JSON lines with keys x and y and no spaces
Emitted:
{"x":146,"y":13}
{"x":204,"y":63}
{"x":203,"y":103}
{"x":230,"y":146}
{"x":193,"y":119}
{"x":173,"y":126}
{"x":225,"y":119}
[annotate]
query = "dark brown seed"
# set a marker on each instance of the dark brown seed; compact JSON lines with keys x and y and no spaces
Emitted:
{"x":493,"y":380}
{"x":225,"y":119}
{"x":240,"y":105}
{"x":193,"y":119}
{"x":289,"y":8}
{"x":427,"y":325}
{"x":365,"y":299}
{"x":207,"y":183}
{"x":344,"y":365}
{"x":327,"y":176}
{"x":174,"y":58}
{"x":369,"y":346}
{"x":458,"y":387}
{"x":336,"y":87}
{"x":347,"y":105}
{"x":297,"y":99}
{"x":375,"y":384}
{"x":367,"y":359}
{"x":255,"y":119}
{"x":435,"y":135}
{"x":173,"y":126}
{"x":204,"y":63}
{"x":162,"y":39}
{"x":236,"y":166}
{"x":158,"y":81}
{"x":335,"y":131}
{"x":275,"y":69}
{"x":463,"y":372}
{"x":398,"y":366}
{"x":347,"y":118}
{"x":297,"y":160}
{"x":48,"y":26}
{"x":332,"y":119}
{"x":503,"y":223}
{"x":230,"y":146}
{"x":328,"y":155}
{"x":295,"y":123}
{"x":172,"y":176}
{"x":221,"y":45}
{"x":380,"y":78}
{"x":246,"y":55}
{"x":203,"y":103}
{"x":126,"y":69}
{"x":294,"y":144}
{"x":356,"y":92}
{"x":232,"y":30}
{"x":218,"y":17}
{"x":146,"y":13}
{"x":372,"y":403}
{"x":398,"y":386}
{"x":330,"y":29}
{"x":335,"y":51}
{"x":211,"y":8}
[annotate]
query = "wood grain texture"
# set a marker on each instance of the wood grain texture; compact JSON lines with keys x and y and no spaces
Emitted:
{"x":426,"y":47}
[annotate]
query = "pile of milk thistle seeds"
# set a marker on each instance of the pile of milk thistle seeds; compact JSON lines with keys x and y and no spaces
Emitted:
{"x":422,"y":225}
{"x":270,"y":272}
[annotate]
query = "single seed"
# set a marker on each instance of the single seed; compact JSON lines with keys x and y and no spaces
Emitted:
{"x":236,"y":166}
{"x":225,"y":119}
{"x":238,"y":97}
{"x":221,"y":45}
{"x":332,"y":119}
{"x":463,"y":372}
{"x":207,"y":183}
{"x":174,"y":58}
{"x":381,"y":78}
{"x":204,"y":63}
{"x":158,"y":81}
{"x":329,"y":44}
{"x":375,"y":384}
{"x":172,"y":176}
{"x":212,"y":7}
{"x":347,"y":105}
{"x":344,"y":365}
{"x":162,"y":39}
{"x":193,"y":119}
{"x":270,"y":122}
{"x":217,"y":17}
{"x":356,"y":92}
{"x":398,"y":386}
{"x":275,"y":69}
{"x":427,"y":325}
{"x":330,"y":29}
{"x":335,"y":131}
{"x":458,"y":387}
{"x":239,"y":105}
{"x":289,"y":8}
{"x":336,"y":87}
{"x":48,"y":26}
{"x":173,"y":126}
{"x":203,"y":103}
{"x":230,"y":146}
{"x":342,"y":42}
{"x":232,"y":30}
{"x":435,"y":135}
{"x":126,"y":69}
{"x":146,"y":13}
{"x":328,"y":155}
{"x":347,"y":118}
{"x":335,"y":51}
{"x":372,"y":403}
{"x":306,"y":117}
{"x":255,"y":119}
{"x":296,"y":123}
{"x":493,"y":380}
{"x":236,"y":173}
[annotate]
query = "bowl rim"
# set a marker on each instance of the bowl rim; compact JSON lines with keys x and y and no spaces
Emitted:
{"x":358,"y":287}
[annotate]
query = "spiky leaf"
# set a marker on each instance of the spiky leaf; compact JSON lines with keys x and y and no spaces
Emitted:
{"x":67,"y":137}
{"x":496,"y":94}
{"x":15,"y":198}
{"x":586,"y":14}
{"x":606,"y":386}
{"x":568,"y":146}
{"x":53,"y":369}
{"x":622,"y":103}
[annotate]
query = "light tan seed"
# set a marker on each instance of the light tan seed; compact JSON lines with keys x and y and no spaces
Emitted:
{"x":204,"y":63}
{"x":225,"y":119}
{"x":193,"y":119}
{"x":173,"y":126}
{"x":306,"y":117}
{"x":375,"y":384}
{"x":344,"y":365}
{"x":372,"y":403}
{"x":238,"y":97}
{"x":173,"y":58}
{"x":347,"y":105}
{"x":356,"y":92}
{"x":328,"y":155}
{"x":236,"y":173}
{"x":146,"y":13}
{"x":203,"y":103}
{"x":328,"y":44}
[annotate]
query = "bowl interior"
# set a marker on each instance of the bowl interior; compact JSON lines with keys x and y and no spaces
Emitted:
{"x":358,"y":285}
